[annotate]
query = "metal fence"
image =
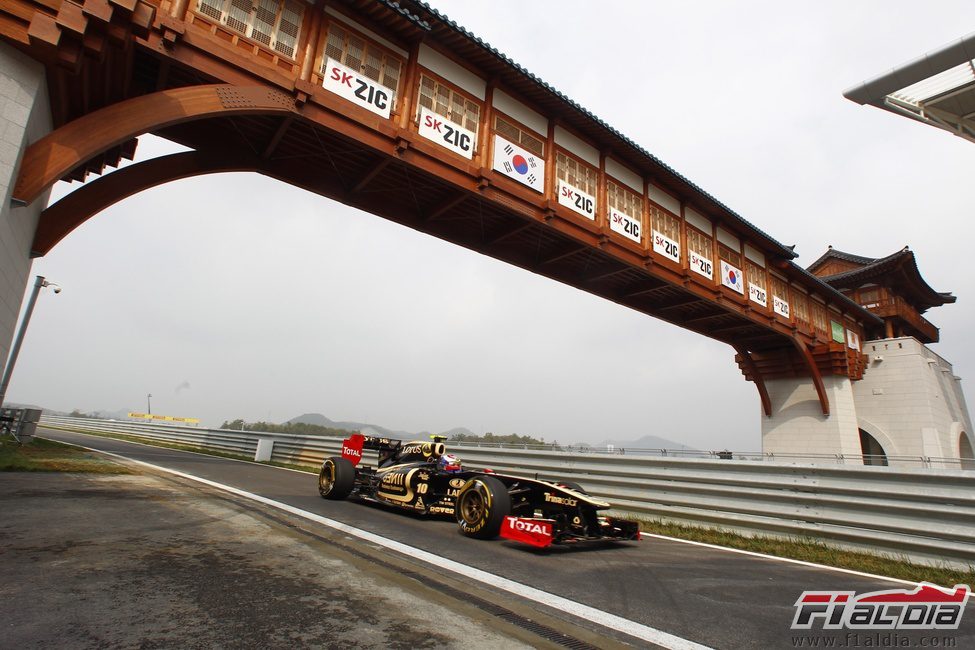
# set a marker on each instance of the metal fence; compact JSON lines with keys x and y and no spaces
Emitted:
{"x":919,"y":513}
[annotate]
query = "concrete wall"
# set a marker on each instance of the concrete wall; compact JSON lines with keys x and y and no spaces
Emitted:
{"x":797,"y":424}
{"x":913,"y":398}
{"x":25,"y":117}
{"x":909,"y":400}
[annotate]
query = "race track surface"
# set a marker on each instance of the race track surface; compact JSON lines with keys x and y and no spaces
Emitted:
{"x":713,"y":597}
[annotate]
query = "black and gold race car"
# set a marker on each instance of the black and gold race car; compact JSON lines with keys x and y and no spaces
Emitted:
{"x":423,"y":478}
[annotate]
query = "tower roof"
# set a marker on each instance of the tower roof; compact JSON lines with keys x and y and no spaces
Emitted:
{"x":897,"y":270}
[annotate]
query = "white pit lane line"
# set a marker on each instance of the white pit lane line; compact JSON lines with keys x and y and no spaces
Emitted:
{"x":584,"y":612}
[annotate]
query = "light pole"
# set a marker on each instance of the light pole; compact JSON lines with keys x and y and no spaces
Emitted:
{"x":15,"y":350}
{"x":149,"y":404}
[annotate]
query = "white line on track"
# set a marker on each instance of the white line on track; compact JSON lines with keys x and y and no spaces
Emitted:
{"x":585,"y":612}
{"x":788,"y":560}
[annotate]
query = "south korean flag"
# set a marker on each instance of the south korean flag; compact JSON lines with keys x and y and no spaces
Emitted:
{"x":514,"y":162}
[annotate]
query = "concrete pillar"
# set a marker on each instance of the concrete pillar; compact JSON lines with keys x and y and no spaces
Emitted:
{"x":797,"y":424}
{"x":25,"y":117}
{"x":913,"y":395}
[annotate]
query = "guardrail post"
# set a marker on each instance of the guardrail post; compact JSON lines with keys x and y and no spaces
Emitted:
{"x":265,"y":447}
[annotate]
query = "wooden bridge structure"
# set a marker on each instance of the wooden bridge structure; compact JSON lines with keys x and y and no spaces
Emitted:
{"x":392,"y":108}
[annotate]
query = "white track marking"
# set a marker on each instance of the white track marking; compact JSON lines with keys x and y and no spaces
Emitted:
{"x":585,"y":612}
{"x":781,"y":559}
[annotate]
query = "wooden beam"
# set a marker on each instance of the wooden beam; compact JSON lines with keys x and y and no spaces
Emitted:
{"x":749,"y":363}
{"x":369,"y":176}
{"x":558,"y":257}
{"x":62,"y":150}
{"x":446,"y":206}
{"x":642,"y":291}
{"x":607,"y":274}
{"x":279,"y":133}
{"x":814,"y":373}
{"x":677,"y":304}
{"x":732,"y":328}
{"x":74,"y":209}
{"x":704,"y":317}
{"x":511,"y":232}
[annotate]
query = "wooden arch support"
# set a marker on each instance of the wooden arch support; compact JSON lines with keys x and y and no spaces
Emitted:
{"x":817,"y":377}
{"x":749,"y":364}
{"x":74,"y":209}
{"x":60,"y":151}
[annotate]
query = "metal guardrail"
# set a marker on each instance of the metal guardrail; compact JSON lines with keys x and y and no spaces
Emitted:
{"x":19,"y":423}
{"x":926,"y":514}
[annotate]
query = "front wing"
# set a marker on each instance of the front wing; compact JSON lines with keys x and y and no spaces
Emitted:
{"x":545,"y":532}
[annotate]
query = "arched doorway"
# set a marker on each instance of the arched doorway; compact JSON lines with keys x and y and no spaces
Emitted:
{"x":873,"y":453}
{"x":965,"y":452}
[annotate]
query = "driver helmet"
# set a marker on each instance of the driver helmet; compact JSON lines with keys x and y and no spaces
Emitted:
{"x":449,"y":463}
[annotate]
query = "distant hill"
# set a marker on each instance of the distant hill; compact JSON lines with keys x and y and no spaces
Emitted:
{"x":647,"y":442}
{"x":368,"y":429}
{"x":458,"y":431}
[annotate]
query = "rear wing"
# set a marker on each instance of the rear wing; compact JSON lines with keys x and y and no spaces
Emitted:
{"x":353,"y":445}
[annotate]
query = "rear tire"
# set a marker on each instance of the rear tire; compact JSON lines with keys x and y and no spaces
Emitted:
{"x":336,"y":479}
{"x":481,"y":507}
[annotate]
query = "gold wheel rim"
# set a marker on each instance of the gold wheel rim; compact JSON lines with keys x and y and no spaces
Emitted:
{"x":326,"y":479}
{"x":472,"y":506}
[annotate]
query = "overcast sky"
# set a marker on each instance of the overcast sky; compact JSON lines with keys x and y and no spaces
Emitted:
{"x":238,"y":296}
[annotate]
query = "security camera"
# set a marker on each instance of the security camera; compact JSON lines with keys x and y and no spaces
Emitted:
{"x":57,"y":289}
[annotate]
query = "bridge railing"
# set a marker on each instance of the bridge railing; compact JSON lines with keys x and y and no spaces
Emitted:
{"x":922,"y":513}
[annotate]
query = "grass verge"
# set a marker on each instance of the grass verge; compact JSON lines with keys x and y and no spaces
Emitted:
{"x":41,"y":455}
{"x":806,"y":550}
{"x":817,"y":551}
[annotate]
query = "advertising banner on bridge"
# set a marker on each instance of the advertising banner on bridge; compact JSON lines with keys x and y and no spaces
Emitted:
{"x":731,"y":277}
{"x":780,"y":306}
{"x":519,"y":164}
{"x":701,"y":265}
{"x":577,"y":200}
{"x":666,"y":246}
{"x":358,"y":89}
{"x":757,"y":294}
{"x":439,"y":129}
{"x":625,"y":225}
{"x":837,"y":330}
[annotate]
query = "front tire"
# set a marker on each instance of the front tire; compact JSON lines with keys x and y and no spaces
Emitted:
{"x":481,"y":507}
{"x":336,"y":478}
{"x":572,"y":485}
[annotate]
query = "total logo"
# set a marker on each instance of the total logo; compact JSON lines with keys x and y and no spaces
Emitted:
{"x":529,"y":526}
{"x":536,"y":532}
{"x":352,"y":448}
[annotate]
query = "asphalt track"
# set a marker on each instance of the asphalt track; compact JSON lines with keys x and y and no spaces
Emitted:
{"x":713,"y":597}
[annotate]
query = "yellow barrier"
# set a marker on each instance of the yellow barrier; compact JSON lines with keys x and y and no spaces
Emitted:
{"x":164,"y":418}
